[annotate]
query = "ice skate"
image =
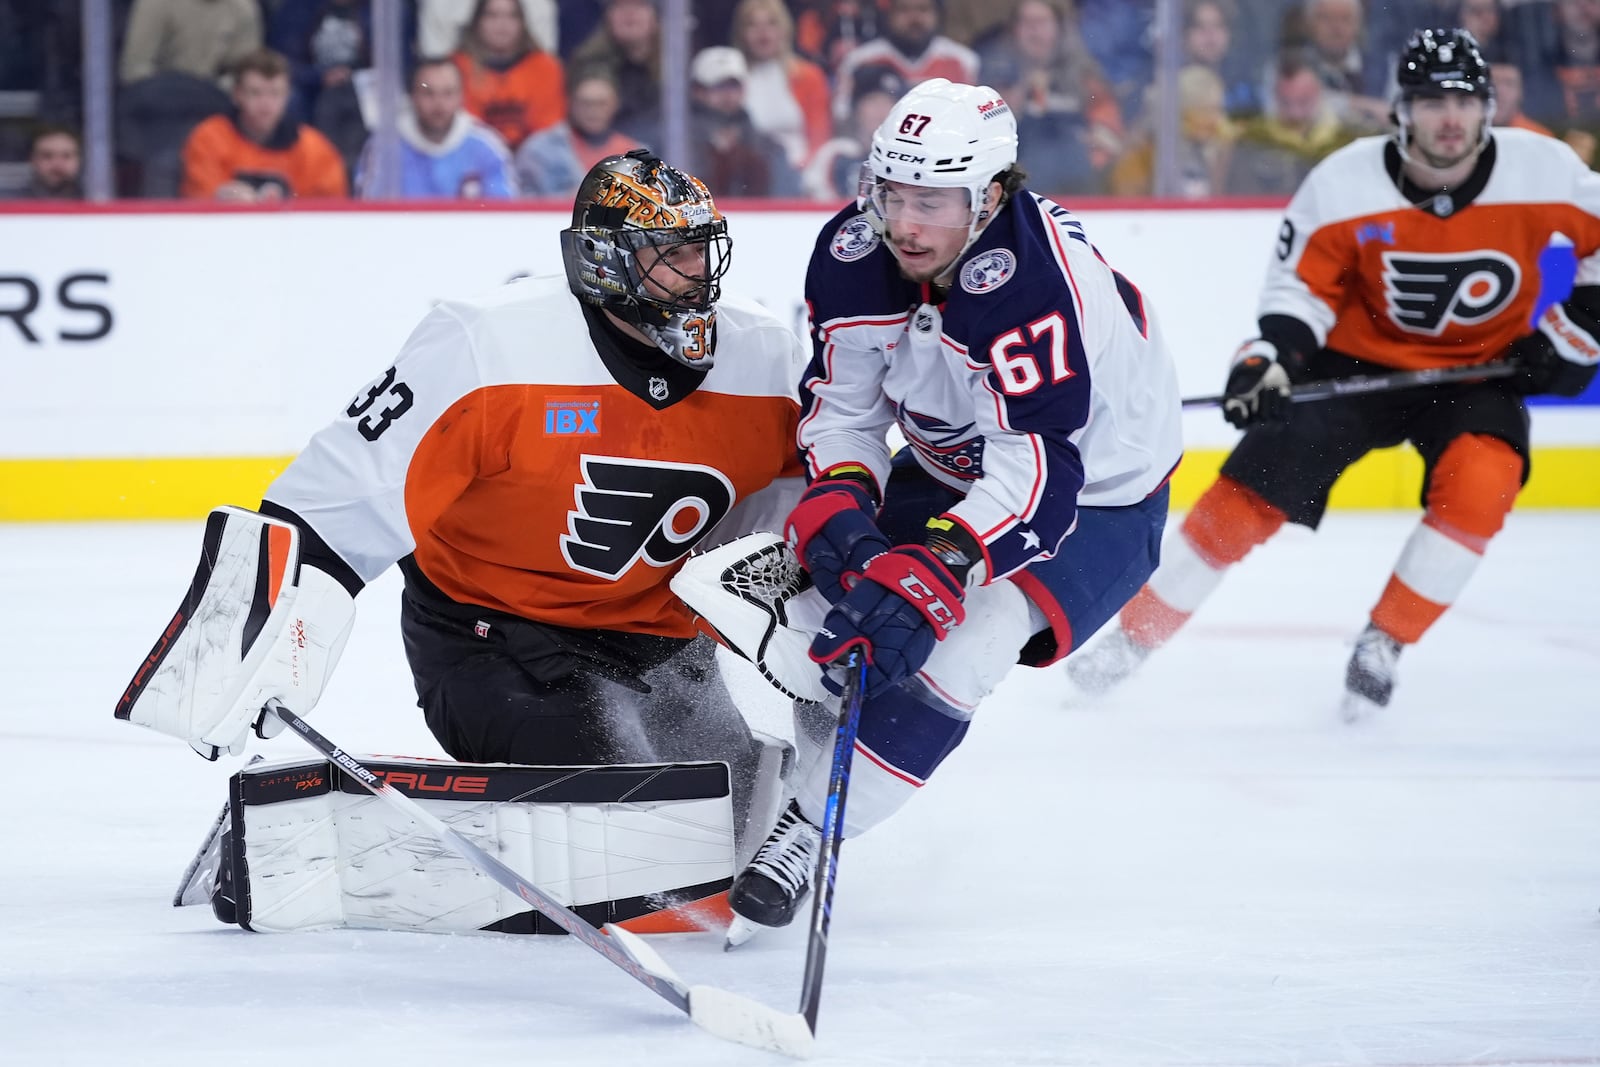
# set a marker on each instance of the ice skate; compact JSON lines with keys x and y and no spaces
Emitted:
{"x":770,"y":890}
{"x":1103,"y":666}
{"x":1369,"y":679}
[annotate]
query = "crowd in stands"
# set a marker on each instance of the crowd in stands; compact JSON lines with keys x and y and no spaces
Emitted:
{"x":251,"y":100}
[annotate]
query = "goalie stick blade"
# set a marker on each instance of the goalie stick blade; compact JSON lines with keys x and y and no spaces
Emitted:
{"x":748,"y":1022}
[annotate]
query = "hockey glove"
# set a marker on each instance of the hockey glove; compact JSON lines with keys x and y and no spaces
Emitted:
{"x":905,"y":602}
{"x":1560,"y":356}
{"x":833,"y":532}
{"x":1258,"y":386}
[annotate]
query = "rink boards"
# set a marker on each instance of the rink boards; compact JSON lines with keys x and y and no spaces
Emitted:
{"x":162,"y":361}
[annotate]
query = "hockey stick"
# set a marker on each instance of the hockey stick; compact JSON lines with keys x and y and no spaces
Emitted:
{"x":727,"y":1015}
{"x":844,"y":747}
{"x":1378,"y":383}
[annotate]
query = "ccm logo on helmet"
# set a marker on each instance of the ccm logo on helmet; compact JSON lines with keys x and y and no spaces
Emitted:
{"x":906,"y":157}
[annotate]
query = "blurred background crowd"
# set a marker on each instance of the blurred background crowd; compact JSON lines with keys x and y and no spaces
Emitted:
{"x":251,"y":100}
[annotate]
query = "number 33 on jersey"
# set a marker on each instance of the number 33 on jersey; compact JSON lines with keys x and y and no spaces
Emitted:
{"x":512,"y":457}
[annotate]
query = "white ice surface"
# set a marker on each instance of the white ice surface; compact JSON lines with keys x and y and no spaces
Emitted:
{"x":1204,"y":869}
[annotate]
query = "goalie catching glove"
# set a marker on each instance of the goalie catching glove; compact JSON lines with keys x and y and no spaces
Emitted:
{"x":256,"y":625}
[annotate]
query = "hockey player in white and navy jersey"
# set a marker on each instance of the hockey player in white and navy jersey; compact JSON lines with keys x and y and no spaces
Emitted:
{"x":1041,"y":412}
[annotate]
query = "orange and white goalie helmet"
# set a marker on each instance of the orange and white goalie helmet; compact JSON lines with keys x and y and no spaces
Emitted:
{"x":632,"y":202}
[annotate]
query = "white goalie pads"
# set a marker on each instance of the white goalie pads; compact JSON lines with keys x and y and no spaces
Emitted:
{"x":753,"y":592}
{"x":255,"y":625}
{"x":649,"y":847}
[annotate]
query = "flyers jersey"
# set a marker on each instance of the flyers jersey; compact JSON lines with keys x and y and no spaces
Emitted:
{"x":1450,"y":280}
{"x":505,"y":453}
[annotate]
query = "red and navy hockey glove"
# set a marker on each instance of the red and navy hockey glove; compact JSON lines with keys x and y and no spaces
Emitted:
{"x":907,"y":600}
{"x":833,"y":531}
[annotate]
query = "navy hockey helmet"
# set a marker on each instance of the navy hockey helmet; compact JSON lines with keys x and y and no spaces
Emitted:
{"x":634,"y":202}
{"x":1436,"y":62}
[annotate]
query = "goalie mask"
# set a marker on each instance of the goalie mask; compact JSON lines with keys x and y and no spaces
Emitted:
{"x":941,"y":135}
{"x":648,"y":245}
{"x":1435,"y":63}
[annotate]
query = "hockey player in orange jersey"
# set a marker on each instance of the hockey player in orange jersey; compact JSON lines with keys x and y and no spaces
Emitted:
{"x":539,"y":461}
{"x":1447,"y":243}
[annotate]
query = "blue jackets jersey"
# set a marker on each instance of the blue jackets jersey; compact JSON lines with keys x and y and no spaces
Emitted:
{"x":1039,"y":383}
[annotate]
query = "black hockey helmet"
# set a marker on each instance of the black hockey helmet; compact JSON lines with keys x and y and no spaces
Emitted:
{"x":625,"y":204}
{"x":1436,"y":62}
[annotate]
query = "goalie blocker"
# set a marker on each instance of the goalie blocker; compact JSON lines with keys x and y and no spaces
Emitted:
{"x":255,"y":626}
{"x":303,"y":847}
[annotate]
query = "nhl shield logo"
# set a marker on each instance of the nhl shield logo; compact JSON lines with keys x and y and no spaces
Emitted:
{"x":658,"y":389}
{"x":853,"y":240}
{"x":987,"y":271}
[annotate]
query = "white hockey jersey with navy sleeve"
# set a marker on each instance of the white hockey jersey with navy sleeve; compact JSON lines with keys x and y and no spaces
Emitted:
{"x":1039,"y":384}
{"x":527,"y":472}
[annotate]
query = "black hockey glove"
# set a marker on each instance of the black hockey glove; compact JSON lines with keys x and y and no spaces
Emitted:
{"x":1258,"y":386}
{"x":1549,"y":367}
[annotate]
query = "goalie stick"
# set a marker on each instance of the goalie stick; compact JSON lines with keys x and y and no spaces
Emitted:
{"x":727,"y":1015}
{"x":1378,"y":383}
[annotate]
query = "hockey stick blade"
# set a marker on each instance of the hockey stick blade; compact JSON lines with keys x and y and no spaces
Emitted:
{"x":725,"y":1015}
{"x":1378,"y":383}
{"x":746,"y":1022}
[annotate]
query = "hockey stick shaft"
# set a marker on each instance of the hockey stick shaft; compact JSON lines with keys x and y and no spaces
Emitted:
{"x":844,"y":747}
{"x":1378,"y":383}
{"x":668,"y":988}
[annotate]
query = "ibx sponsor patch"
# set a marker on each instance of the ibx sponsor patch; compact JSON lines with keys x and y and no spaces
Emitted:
{"x":571,"y":416}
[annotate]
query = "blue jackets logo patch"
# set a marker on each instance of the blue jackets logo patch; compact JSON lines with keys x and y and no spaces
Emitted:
{"x":853,"y":240}
{"x":988,"y":270}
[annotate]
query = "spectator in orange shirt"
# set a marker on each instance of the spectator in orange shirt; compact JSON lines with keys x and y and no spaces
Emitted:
{"x":1507,"y":79}
{"x":787,"y":96}
{"x":257,"y":153}
{"x":508,"y":80}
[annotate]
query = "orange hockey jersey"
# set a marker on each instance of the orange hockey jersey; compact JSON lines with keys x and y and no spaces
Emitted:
{"x":524,"y":99}
{"x":304,"y":164}
{"x":1452,"y":280}
{"x":504,"y":453}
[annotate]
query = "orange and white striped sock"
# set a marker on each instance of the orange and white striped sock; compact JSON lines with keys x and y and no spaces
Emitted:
{"x":1470,"y":491}
{"x":1223,"y":526}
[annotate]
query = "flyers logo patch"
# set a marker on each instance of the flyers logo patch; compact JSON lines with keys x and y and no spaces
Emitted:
{"x":1426,"y":293}
{"x":628,"y":510}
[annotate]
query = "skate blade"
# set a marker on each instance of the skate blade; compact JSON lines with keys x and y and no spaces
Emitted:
{"x":740,"y":930}
{"x":1357,"y":709}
